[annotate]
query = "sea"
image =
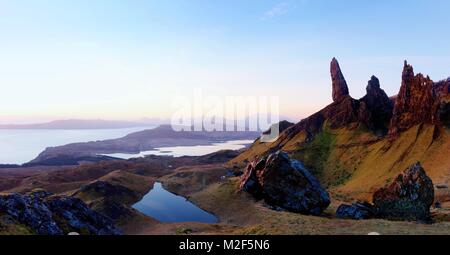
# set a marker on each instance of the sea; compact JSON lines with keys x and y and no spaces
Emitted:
{"x":18,"y":146}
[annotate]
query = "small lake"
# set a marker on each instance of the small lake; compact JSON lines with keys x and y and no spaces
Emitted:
{"x":164,"y":206}
{"x":179,"y":151}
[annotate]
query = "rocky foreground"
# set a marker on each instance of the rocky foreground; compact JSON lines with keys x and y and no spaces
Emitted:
{"x":300,"y":206}
{"x":409,"y":197}
{"x":46,"y":214}
{"x":286,"y":183}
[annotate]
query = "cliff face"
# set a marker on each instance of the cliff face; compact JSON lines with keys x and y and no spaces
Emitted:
{"x":442,"y":89}
{"x":414,"y":103}
{"x":442,"y":106}
{"x":376,"y":107}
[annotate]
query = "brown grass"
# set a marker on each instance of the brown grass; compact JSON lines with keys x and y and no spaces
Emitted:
{"x":240,"y":214}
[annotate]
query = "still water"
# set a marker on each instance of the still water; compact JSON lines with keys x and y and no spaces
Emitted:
{"x":179,"y":151}
{"x":167,"y":207}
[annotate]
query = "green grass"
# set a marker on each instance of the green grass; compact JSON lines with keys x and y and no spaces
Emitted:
{"x":316,"y":153}
{"x":340,"y":177}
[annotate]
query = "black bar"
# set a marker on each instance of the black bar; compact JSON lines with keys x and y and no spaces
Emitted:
{"x":143,"y":245}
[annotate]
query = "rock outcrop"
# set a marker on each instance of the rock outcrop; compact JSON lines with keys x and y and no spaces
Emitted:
{"x":340,"y":88}
{"x":409,"y":197}
{"x":375,"y":109}
{"x":442,"y":91}
{"x":282,"y":125}
{"x":356,"y":211}
{"x":444,"y":114}
{"x":285,"y":183}
{"x":338,"y":114}
{"x":55,"y":215}
{"x":420,"y":101}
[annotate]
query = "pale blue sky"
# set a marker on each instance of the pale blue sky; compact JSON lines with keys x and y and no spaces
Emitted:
{"x":118,"y":59}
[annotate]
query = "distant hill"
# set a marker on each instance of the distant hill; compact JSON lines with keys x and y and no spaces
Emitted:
{"x":81,"y":124}
{"x":162,"y":136}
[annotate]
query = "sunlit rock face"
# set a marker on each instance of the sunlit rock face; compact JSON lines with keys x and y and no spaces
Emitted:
{"x":409,"y":197}
{"x":420,"y":101}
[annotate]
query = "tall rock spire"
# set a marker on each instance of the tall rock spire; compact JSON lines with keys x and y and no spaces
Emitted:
{"x":340,"y":88}
{"x":415,"y":103}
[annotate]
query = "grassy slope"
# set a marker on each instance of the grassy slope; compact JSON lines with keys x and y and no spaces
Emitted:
{"x":137,"y":184}
{"x":191,"y":179}
{"x":240,"y":214}
{"x":379,"y":163}
{"x":353,"y":163}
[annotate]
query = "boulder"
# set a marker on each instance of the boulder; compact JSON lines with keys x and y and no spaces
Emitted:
{"x":285,"y":183}
{"x":356,"y":211}
{"x":409,"y":197}
{"x":77,"y":217}
{"x":30,"y":211}
{"x":55,"y":215}
{"x":282,"y":125}
{"x":249,"y":180}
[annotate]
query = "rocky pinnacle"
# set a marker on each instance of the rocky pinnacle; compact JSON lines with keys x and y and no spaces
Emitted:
{"x":415,"y":103}
{"x":340,"y":89}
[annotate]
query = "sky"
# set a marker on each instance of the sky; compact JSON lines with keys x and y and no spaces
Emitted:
{"x":118,"y":59}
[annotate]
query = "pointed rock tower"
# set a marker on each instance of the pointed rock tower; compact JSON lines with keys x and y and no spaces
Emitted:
{"x":415,"y":103}
{"x":340,"y":88}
